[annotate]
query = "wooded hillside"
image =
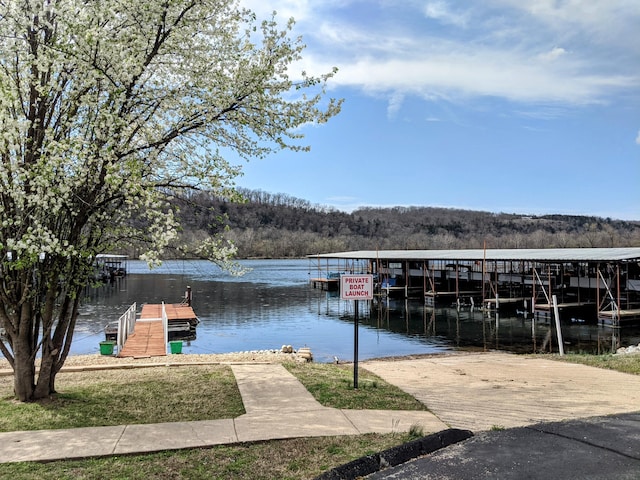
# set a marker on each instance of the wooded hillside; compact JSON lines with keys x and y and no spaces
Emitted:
{"x":278,"y":225}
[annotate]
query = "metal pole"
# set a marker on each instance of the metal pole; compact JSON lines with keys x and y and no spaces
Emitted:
{"x":355,"y":344}
{"x":556,"y":314}
{"x":618,"y":291}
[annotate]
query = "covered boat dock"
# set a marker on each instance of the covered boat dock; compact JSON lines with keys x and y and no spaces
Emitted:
{"x":599,"y":283}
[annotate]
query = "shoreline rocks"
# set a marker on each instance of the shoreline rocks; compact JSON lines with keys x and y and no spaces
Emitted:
{"x":275,"y":355}
{"x":631,"y":349}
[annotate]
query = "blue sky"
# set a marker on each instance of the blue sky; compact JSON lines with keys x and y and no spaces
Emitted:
{"x":512,"y":106}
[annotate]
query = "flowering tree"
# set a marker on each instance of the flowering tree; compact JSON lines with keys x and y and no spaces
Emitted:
{"x":107,"y":109}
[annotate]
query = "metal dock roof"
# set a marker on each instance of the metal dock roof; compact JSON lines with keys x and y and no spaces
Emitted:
{"x":506,"y":254}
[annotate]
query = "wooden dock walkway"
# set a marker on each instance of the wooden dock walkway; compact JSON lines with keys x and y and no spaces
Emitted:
{"x":608,"y":317}
{"x":328,"y":284}
{"x":148,"y":338}
{"x":446,"y":298}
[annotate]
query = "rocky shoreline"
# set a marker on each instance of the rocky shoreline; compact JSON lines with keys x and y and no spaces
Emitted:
{"x":267,"y":356}
{"x":94,"y":360}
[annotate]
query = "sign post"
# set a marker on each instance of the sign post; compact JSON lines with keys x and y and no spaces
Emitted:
{"x":356,"y":287}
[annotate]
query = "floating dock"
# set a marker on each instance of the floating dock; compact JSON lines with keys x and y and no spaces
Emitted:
{"x":611,"y":317}
{"x":328,"y":284}
{"x":147,"y":340}
{"x":109,"y":267}
{"x":148,"y":335}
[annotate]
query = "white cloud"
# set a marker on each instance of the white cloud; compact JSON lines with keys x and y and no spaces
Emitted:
{"x":496,"y":73}
{"x":298,"y":9}
{"x":395,"y":103}
{"x":552,"y":55}
{"x":507,"y":49}
{"x":440,"y":10}
{"x":638,"y":138}
{"x":596,"y":17}
{"x":606,"y":31}
{"x":344,"y":203}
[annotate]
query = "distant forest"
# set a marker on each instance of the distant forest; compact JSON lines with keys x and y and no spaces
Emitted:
{"x":275,"y":225}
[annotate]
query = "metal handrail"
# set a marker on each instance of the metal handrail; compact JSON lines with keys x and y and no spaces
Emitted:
{"x":165,"y":325}
{"x":126,"y":324}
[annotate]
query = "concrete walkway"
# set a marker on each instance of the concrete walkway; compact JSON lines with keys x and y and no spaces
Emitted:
{"x":277,"y":407}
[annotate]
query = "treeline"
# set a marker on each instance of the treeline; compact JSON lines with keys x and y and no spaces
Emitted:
{"x":277,"y":225}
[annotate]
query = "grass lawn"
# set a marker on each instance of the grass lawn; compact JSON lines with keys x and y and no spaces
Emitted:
{"x":297,"y":459}
{"x":122,"y":397}
{"x":332,"y":386}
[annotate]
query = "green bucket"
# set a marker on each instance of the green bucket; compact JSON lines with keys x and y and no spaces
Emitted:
{"x":106,"y":348}
{"x":176,"y":346}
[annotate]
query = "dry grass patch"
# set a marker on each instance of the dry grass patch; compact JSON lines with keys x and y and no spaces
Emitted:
{"x":297,"y":459}
{"x":629,"y":363}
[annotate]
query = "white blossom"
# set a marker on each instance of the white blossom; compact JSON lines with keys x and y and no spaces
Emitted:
{"x":110,"y":108}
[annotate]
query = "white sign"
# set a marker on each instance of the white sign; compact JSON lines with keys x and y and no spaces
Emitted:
{"x":356,"y":287}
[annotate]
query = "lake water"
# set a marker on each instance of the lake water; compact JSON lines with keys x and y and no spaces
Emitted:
{"x":273,"y":304}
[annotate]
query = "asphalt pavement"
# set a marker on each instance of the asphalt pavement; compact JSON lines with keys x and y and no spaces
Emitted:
{"x":598,"y":448}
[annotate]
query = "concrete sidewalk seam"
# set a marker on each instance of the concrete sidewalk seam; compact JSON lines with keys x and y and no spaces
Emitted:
{"x":235,"y":430}
{"x":118,"y":440}
{"x":349,"y":421}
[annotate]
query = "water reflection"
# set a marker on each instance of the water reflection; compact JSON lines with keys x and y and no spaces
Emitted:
{"x":474,"y":329}
{"x":273,"y":305}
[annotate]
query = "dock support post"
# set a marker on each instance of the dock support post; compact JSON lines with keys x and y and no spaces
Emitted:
{"x":188,"y":295}
{"x":556,"y":314}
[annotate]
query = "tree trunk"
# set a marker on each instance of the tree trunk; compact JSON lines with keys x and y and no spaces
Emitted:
{"x":24,"y":372}
{"x":40,"y":334}
{"x":46,"y":378}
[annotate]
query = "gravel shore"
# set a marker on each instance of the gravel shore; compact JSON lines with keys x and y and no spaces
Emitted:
{"x":96,"y":360}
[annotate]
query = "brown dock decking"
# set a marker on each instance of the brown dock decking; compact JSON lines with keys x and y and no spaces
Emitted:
{"x":148,"y":337}
{"x":328,"y":284}
{"x":147,"y":340}
{"x":438,"y":298}
{"x":629,"y":315}
{"x":175,"y":312}
{"x":504,"y":303}
{"x":549,"y":307}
